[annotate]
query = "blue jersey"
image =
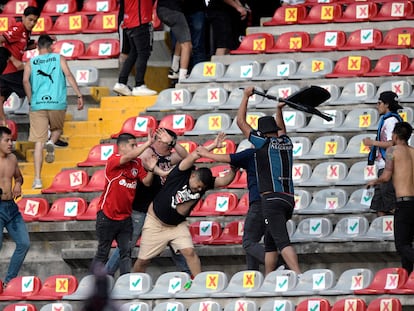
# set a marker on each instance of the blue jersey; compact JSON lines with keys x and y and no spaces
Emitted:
{"x":274,"y":161}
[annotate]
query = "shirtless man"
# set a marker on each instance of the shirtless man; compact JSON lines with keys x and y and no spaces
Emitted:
{"x":403,"y":179}
{"x":10,"y":217}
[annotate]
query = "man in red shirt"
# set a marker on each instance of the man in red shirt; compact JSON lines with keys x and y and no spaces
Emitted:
{"x":16,"y":40}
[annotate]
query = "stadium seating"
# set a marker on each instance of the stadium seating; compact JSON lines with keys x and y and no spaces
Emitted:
{"x":6,"y":22}
{"x":356,"y":147}
{"x":406,"y":289}
{"x":321,"y":13}
{"x":277,"y":304}
{"x":242,"y":206}
{"x":21,"y":288}
{"x":350,"y":66}
{"x":102,"y":49}
{"x":302,"y":200}
{"x":359,"y":119}
{"x":131,"y":285}
{"x":204,"y":284}
{"x":85,"y":75}
{"x":205,"y":72}
{"x":67,"y":24}
{"x":398,"y":38}
{"x":385,"y":303}
{"x":43,"y":26}
{"x":359,"y":202}
{"x":138,"y":126}
{"x":67,"y":181}
{"x":351,"y":303}
{"x":241,"y":304}
{"x":293,"y":41}
{"x":301,"y":172}
{"x":309,"y":230}
{"x":355,"y":93}
{"x":217,"y":203}
{"x":251,"y":118}
{"x":287,"y":15}
{"x":243,"y":70}
{"x":135,"y":305}
{"x":21,"y":306}
{"x":91,"y":210}
{"x":96,"y":182}
{"x":71,"y":49}
{"x":301,"y":146}
{"x":276,"y":69}
{"x":348,"y":281}
{"x":384,"y":280}
{"x":380,"y":229}
{"x":278,"y":91}
{"x":389,"y":65}
{"x":362,"y":39}
{"x":167,"y":285}
{"x":169,"y":305}
{"x":171,"y":99}
{"x":325,"y":201}
{"x":207,"y":98}
{"x":98,"y":155}
{"x":347,"y":228}
{"x":312,"y":282}
{"x":325,"y":147}
{"x":326,"y":41}
{"x":232,"y":233}
{"x":33,"y":208}
{"x":210,"y":305}
{"x":234,"y":99}
{"x":59,"y":7}
{"x":179,"y":123}
{"x":394,"y":11}
{"x":103,"y":23}
{"x":55,"y":287}
{"x":275,"y":283}
{"x":205,"y":231}
{"x":96,"y":6}
{"x":255,"y":43}
{"x":312,"y":68}
{"x":320,"y":304}
{"x":15,"y":8}
{"x":359,"y":174}
{"x":228,"y":147}
{"x":326,"y":174}
{"x":64,"y":209}
{"x":358,"y":12}
{"x":241,"y":282}
{"x":210,"y":123}
{"x":316,"y":124}
{"x":86,"y":287}
{"x":402,"y":88}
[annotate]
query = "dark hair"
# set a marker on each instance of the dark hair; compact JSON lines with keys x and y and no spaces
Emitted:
{"x":44,"y":41}
{"x":5,"y":130}
{"x":403,"y":130}
{"x":206,"y":177}
{"x":31,"y":10}
{"x":124,"y":138}
{"x":173,"y":135}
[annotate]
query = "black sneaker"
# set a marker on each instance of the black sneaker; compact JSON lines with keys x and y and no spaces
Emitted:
{"x":61,"y":143}
{"x":173,"y":75}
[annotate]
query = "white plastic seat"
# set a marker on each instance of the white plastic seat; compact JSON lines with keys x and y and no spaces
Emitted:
{"x":171,"y":100}
{"x":242,"y":70}
{"x":312,"y":282}
{"x":169,"y":305}
{"x":301,"y":172}
{"x":85,"y":75}
{"x":235,"y":97}
{"x":24,"y":108}
{"x":277,"y":69}
{"x":275,"y":283}
{"x":204,"y":284}
{"x":359,"y":174}
{"x":349,"y":281}
{"x":243,"y":145}
{"x":359,"y":202}
{"x":407,"y":114}
{"x":347,"y":228}
{"x":302,"y":200}
{"x":356,"y":93}
{"x":241,"y":283}
{"x":402,"y":88}
{"x":167,"y":285}
{"x":86,"y":287}
{"x":359,"y":119}
{"x":245,"y":305}
{"x":380,"y":229}
{"x":206,"y":98}
{"x":210,"y":123}
{"x":333,"y":89}
{"x":205,"y":72}
{"x":294,"y":120}
{"x":317,"y":124}
{"x":301,"y":146}
{"x":277,"y":304}
{"x":12,"y":103}
{"x":60,"y":305}
{"x":135,"y":305}
{"x":209,"y":305}
{"x":355,"y":147}
{"x":131,"y":285}
{"x":326,"y":174}
{"x":325,"y":201}
{"x":312,"y":68}
{"x":290,"y":227}
{"x":325,"y":147}
{"x":251,"y":118}
{"x":312,"y":229}
{"x":279,"y":91}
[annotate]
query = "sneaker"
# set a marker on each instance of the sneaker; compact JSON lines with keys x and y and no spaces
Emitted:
{"x":173,"y":75}
{"x":182,"y":79}
{"x":122,"y":89}
{"x":143,"y":91}
{"x":50,"y":152}
{"x":37,"y":184}
{"x":61,"y":143}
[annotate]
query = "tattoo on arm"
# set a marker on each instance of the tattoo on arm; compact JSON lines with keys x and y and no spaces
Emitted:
{"x":389,"y":159}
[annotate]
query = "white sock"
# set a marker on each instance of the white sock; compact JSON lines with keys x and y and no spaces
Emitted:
{"x":175,"y":62}
{"x":182,"y":74}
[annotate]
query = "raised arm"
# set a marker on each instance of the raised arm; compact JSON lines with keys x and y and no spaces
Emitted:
{"x":203,"y":152}
{"x":279,"y":118}
{"x":136,"y":152}
{"x":241,"y":113}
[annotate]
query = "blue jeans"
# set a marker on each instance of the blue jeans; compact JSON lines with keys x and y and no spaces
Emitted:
{"x":138,"y":219}
{"x":108,"y":230}
{"x":254,"y":229}
{"x":12,"y":220}
{"x":196,"y":22}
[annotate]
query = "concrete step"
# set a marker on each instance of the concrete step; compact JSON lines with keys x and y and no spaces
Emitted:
{"x":68,"y":154}
{"x":127,"y":101}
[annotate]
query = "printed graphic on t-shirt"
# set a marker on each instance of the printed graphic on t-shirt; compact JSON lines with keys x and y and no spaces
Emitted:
{"x":182,"y":196}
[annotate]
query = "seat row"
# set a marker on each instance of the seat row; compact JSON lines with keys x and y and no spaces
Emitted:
{"x":326,"y":40}
{"x":321,"y":13}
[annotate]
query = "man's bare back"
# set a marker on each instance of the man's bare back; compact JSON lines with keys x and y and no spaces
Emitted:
{"x":403,"y":171}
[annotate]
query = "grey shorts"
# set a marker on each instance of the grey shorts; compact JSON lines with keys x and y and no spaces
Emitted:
{"x":384,"y":196}
{"x":177,"y":22}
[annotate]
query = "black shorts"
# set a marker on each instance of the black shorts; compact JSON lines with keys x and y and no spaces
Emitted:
{"x":221,"y":27}
{"x":12,"y":82}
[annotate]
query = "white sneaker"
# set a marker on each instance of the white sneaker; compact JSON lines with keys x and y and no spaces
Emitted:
{"x":50,"y":152}
{"x":143,"y":91}
{"x":37,"y":184}
{"x":122,"y":89}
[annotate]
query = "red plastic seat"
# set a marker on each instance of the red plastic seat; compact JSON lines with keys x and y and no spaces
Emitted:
{"x":228,"y":147}
{"x":323,"y":13}
{"x":205,"y":231}
{"x":6,"y":22}
{"x":103,"y":23}
{"x":188,"y":145}
{"x":350,"y":66}
{"x":384,"y":304}
{"x":58,"y":7}
{"x":96,"y":182}
{"x":395,"y":10}
{"x":67,"y":181}
{"x":358,"y":12}
{"x":326,"y":41}
{"x":91,"y":210}
{"x":71,"y":49}
{"x":385,"y":280}
{"x":20,"y":306}
{"x":232,"y":233}
{"x":16,"y":7}
{"x":13,"y":128}
{"x":179,"y":123}
{"x":21,"y":288}
{"x":97,"y":6}
{"x":56,"y":286}
{"x":33,"y":208}
{"x":102,"y":49}
{"x":28,"y":54}
{"x":64,"y":209}
{"x":217,"y":203}
{"x":241,"y":208}
{"x":293,"y":41}
{"x":240,"y":182}
{"x":69,"y":24}
{"x":312,"y":303}
{"x":362,"y":39}
{"x":99,"y":154}
{"x":352,"y":303}
{"x":43,"y":26}
{"x":389,"y":65}
{"x":287,"y":15}
{"x":398,"y":38}
{"x":255,"y":43}
{"x":138,"y":126}
{"x":409,"y":71}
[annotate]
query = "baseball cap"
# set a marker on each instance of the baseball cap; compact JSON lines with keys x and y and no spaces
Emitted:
{"x":390,"y":98}
{"x":267,"y":124}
